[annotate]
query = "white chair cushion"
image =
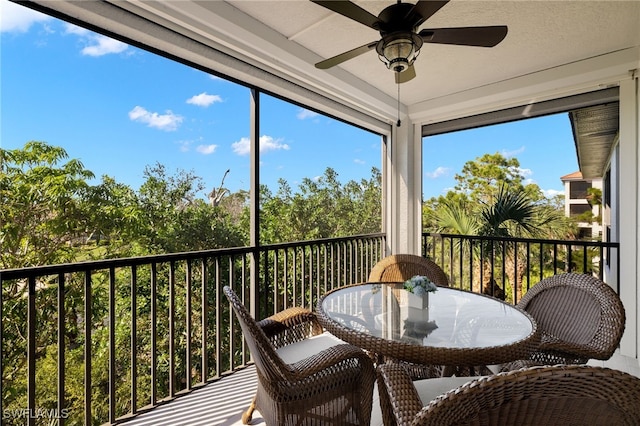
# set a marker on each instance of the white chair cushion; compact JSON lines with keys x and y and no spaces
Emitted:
{"x":428,"y":389}
{"x":376,"y":411}
{"x":298,"y":351}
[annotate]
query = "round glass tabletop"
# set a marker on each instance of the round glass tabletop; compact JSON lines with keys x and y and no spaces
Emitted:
{"x":447,"y":319}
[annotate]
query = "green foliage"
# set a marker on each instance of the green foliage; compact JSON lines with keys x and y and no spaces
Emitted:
{"x":491,"y":200}
{"x":51,"y":214}
{"x":40,"y":214}
{"x":322,"y":208}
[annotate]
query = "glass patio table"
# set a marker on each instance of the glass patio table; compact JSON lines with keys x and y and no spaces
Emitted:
{"x":450,"y":327}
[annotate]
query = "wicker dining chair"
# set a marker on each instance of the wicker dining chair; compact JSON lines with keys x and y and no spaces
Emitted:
{"x":305,"y":376}
{"x":401,"y":267}
{"x":562,"y":395}
{"x":580,"y":318}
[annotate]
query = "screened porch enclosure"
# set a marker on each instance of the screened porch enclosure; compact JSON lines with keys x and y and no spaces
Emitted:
{"x":146,"y":331}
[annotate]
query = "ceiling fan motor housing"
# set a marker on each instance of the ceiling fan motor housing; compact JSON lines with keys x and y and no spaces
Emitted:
{"x":398,"y":50}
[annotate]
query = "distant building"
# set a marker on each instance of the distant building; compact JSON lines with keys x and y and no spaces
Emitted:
{"x":576,"y":203}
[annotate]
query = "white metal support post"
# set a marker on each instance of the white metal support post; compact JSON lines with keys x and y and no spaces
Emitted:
{"x":404,"y":194}
{"x":629,"y":197}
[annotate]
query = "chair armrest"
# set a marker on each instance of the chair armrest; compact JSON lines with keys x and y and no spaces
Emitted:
{"x":329,"y":358}
{"x":399,"y":398}
{"x":291,"y":325}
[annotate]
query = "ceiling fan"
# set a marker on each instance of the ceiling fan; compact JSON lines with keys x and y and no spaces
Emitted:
{"x":400,"y":42}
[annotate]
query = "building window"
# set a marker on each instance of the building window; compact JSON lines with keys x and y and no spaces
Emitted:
{"x":607,"y":189}
{"x":584,"y":233}
{"x":579,"y":209}
{"x":578,"y":189}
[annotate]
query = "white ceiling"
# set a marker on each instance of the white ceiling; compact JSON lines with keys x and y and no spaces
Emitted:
{"x":552,"y":48}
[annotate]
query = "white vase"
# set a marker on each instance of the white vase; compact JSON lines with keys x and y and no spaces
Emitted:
{"x":418,"y":307}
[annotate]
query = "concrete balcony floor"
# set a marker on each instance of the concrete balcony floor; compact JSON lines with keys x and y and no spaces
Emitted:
{"x":223,"y":402}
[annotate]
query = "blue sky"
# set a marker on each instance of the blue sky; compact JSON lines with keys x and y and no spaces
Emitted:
{"x":118,"y":109}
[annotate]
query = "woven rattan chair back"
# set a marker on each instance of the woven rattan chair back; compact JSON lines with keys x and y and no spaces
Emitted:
{"x":263,"y":353}
{"x":569,"y":395}
{"x":401,"y":267}
{"x":580,"y":318}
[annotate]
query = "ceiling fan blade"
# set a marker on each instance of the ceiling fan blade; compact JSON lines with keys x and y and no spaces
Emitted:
{"x":350,"y":10}
{"x":406,"y":75}
{"x":466,"y":36}
{"x":338,"y":59}
{"x":423,"y":10}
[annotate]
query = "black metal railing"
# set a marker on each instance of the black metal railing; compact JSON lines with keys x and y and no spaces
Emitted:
{"x":508,"y":267}
{"x":99,"y":342}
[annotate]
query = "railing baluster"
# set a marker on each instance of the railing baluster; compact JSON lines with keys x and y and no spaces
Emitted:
{"x":154,"y":336}
{"x":134,"y":339}
{"x":204,"y":323}
{"x":569,"y":263}
{"x":61,"y":349}
{"x":218,"y":326}
{"x":231,"y":277}
{"x":460,"y":261}
{"x":528,"y":268}
{"x":31,"y":348}
{"x":243,"y":283}
{"x":188,"y":331}
{"x":584,"y":258}
{"x":172,"y":328}
{"x":87,"y":347}
{"x":601,"y":263}
{"x":112,"y":345}
{"x":277,"y":305}
{"x":504,"y":269}
{"x":515,"y":273}
{"x":325,"y":253}
{"x":451,"y":243}
{"x":541,"y":261}
{"x":471,"y":263}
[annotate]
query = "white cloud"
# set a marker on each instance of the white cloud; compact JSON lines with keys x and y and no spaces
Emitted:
{"x":167,"y":122}
{"x":267,"y":143}
{"x":242,"y":147}
{"x":76,"y":30}
{"x":96,"y":44}
{"x":104,"y":46}
{"x":303,"y":114}
{"x":550,"y":193}
{"x":359,"y":161}
{"x":522,"y":172}
{"x":440,"y":171}
{"x":17,"y":18}
{"x":206,"y":149}
{"x":509,"y":154}
{"x":204,"y":99}
{"x":185,"y":146}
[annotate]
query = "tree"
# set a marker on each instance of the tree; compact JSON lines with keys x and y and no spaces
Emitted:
{"x":321,"y":208}
{"x":40,"y":216}
{"x":491,"y":200}
{"x":174,"y":218}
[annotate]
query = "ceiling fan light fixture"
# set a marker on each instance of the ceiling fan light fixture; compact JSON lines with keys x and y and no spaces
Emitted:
{"x":399,"y":51}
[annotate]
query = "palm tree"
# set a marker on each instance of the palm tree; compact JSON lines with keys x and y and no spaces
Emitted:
{"x":509,"y":214}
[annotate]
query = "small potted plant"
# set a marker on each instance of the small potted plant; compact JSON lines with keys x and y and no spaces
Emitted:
{"x":420,"y":286}
{"x":418,"y":289}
